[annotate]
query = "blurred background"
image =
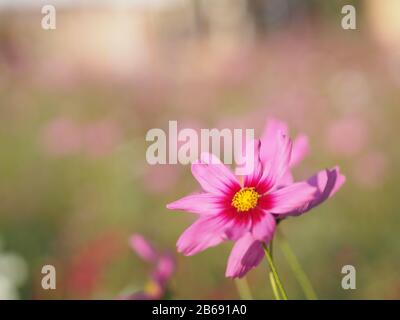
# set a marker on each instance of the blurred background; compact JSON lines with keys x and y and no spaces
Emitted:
{"x":76,"y":103}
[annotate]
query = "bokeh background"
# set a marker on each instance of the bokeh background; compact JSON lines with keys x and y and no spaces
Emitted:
{"x":76,"y":103}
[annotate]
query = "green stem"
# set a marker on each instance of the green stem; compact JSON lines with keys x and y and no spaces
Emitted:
{"x":274,"y":272}
{"x":295,"y":265}
{"x":271,"y":275}
{"x":273,"y":285}
{"x":243,"y":289}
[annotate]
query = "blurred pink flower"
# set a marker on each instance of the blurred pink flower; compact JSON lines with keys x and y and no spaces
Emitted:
{"x":347,"y":136}
{"x":163,"y":264}
{"x":159,"y":178}
{"x":165,"y":267}
{"x":61,"y":136}
{"x":143,"y":248}
{"x":350,"y":89}
{"x":100,"y":138}
{"x":246,"y":213}
{"x":371,"y":169}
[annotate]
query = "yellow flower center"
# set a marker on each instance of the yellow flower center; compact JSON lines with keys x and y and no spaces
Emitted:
{"x":245,"y":199}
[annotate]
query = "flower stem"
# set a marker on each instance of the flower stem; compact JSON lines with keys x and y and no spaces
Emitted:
{"x":273,"y":285}
{"x":243,"y":289}
{"x":274,"y":273}
{"x":295,"y":265}
{"x":271,"y":275}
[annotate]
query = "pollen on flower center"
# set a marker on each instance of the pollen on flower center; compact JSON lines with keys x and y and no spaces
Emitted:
{"x":245,"y":199}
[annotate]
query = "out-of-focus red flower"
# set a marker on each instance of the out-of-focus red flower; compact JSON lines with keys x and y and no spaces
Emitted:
{"x":88,"y":265}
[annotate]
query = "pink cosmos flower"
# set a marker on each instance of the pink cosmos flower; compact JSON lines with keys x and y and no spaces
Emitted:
{"x":163,"y":268}
{"x":247,"y":212}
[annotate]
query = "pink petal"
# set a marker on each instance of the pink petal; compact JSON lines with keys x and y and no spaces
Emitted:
{"x":202,"y":203}
{"x":325,"y":183}
{"x":236,"y":229}
{"x":292,"y":198}
{"x":205,"y":232}
{"x":300,"y":149}
{"x":164,"y":269}
{"x":246,"y":254}
{"x":253,"y":178}
{"x":264,"y":229}
{"x":213,"y":176}
{"x":277,"y":167}
{"x":143,"y":248}
{"x":286,"y":179}
{"x":268,"y":138}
